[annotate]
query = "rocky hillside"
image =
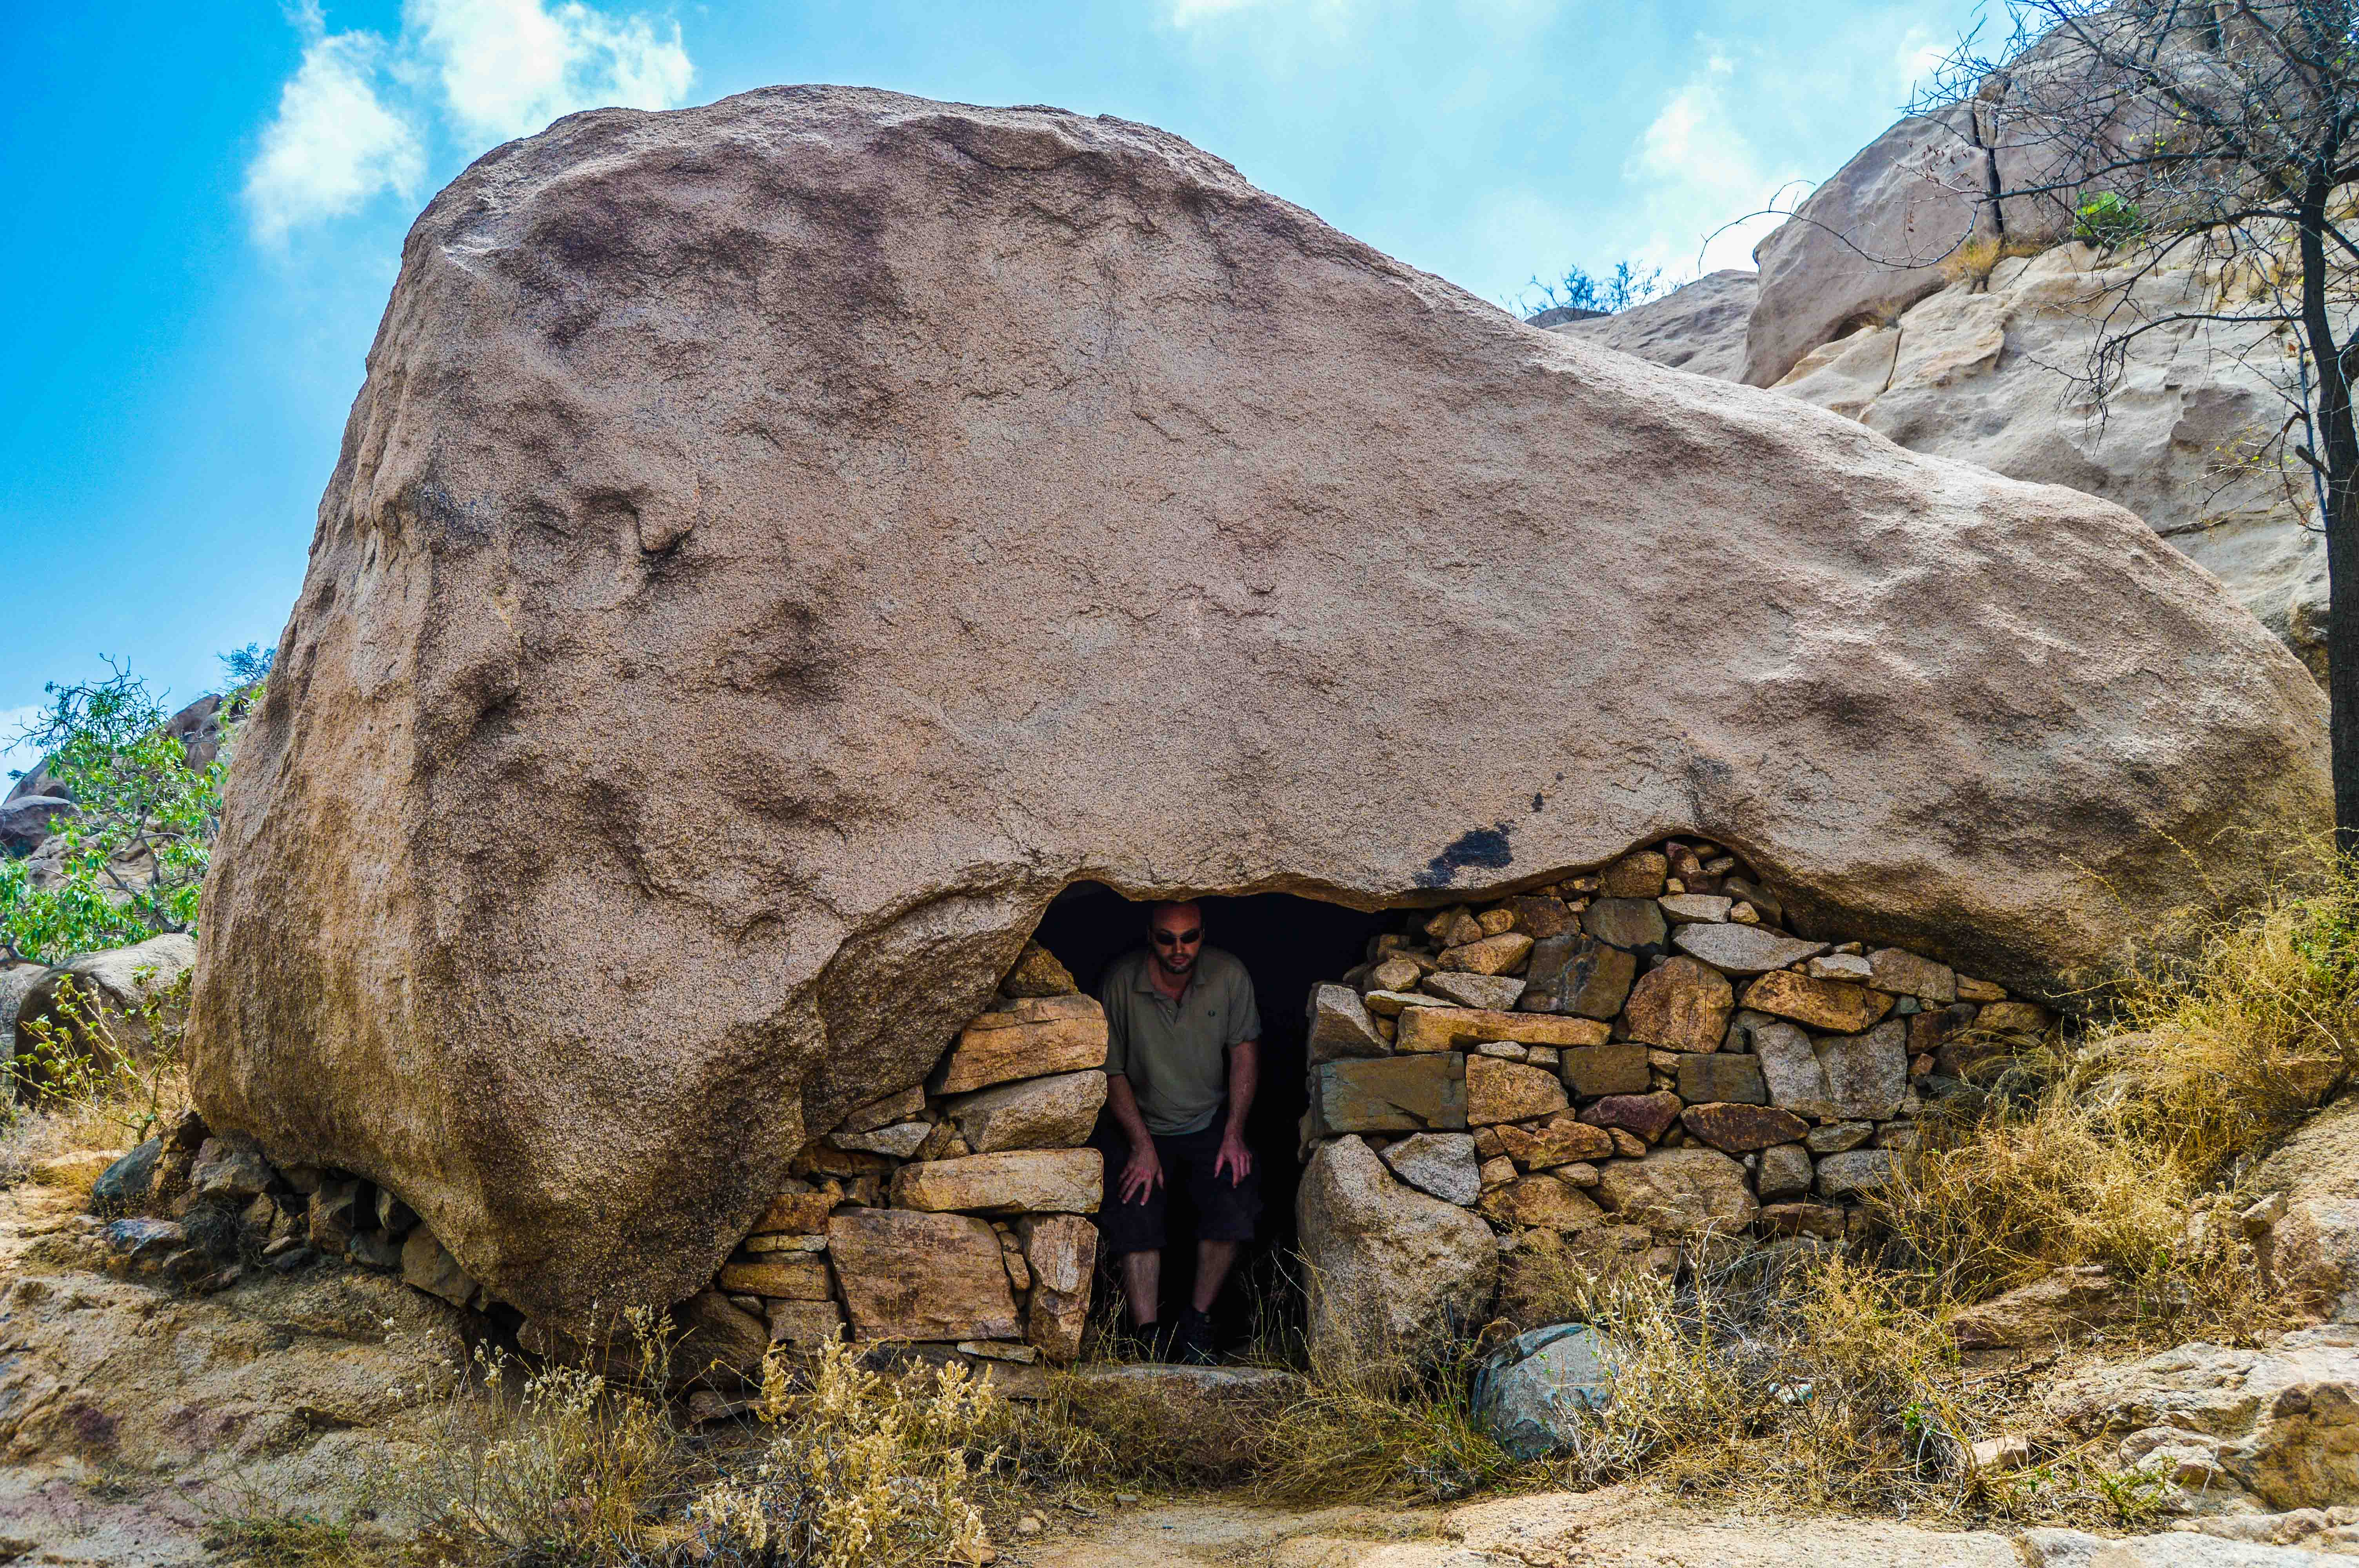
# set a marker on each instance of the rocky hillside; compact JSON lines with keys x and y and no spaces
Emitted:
{"x":1982,"y":368}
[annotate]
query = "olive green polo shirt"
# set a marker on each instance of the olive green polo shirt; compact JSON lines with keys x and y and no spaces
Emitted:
{"x":1175,"y":1053}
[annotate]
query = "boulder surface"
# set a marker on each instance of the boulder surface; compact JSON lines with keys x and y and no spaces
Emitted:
{"x":780,"y":544}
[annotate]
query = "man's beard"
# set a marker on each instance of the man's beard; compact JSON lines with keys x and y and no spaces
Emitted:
{"x":1176,"y":966}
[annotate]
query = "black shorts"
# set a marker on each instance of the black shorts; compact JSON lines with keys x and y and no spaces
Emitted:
{"x":1225,"y":1210}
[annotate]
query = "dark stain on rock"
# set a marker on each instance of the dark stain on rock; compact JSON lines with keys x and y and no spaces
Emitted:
{"x":1484,"y":847}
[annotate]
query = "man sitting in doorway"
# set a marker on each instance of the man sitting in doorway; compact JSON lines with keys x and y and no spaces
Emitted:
{"x":1183,"y":1031}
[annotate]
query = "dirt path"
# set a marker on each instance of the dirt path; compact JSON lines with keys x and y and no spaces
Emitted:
{"x":1613,"y":1529}
{"x":131,"y":1419}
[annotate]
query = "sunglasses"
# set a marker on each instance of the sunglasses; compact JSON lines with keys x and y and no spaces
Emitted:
{"x":1177,"y":938}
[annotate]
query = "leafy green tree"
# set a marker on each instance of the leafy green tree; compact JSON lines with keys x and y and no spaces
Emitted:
{"x":136,"y":847}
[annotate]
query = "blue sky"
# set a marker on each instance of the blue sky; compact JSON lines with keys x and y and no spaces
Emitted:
{"x":206,"y":205}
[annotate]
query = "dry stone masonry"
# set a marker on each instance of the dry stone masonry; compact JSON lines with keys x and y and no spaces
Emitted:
{"x":946,"y":1219}
{"x":1629,"y":1065}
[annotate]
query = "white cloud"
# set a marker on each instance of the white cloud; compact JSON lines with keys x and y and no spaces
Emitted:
{"x":1704,"y":176}
{"x":334,"y":143}
{"x":356,"y":119}
{"x":1191,"y":13}
{"x":1919,"y":60}
{"x":506,"y":67}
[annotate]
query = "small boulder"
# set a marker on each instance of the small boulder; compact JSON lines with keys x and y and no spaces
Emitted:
{"x":427,"y":1265}
{"x":1593,"y":1070}
{"x":1841,"y":1007}
{"x":1532,"y":1392}
{"x":1630,"y":923}
{"x":1055,"y":1112}
{"x":1391,"y":1270}
{"x":1861,"y":1171}
{"x":230,"y":1170}
{"x":1904,"y":974}
{"x":1722,"y":1079}
{"x":1742,"y":1128}
{"x":1648,"y":1115}
{"x":2056,"y":1310}
{"x":1786,"y":1172}
{"x":1499,"y":1091}
{"x":1560,"y":1139}
{"x":1541,"y":1200}
{"x":1339,"y":1024}
{"x":124,"y":1186}
{"x":1576,"y":973}
{"x":1490,"y":955}
{"x":1638,"y":875}
{"x":1037,"y":973}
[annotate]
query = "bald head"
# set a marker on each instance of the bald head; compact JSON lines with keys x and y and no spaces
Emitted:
{"x":1177,"y":931}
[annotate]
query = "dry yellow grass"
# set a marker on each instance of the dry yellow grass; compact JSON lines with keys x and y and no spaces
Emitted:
{"x":2096,"y":1152}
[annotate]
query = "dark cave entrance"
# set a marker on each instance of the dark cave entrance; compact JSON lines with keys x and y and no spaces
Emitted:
{"x":1289,"y":945}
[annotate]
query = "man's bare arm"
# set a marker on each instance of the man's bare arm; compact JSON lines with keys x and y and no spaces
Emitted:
{"x":1143,"y":1172}
{"x":1245,"y":1078}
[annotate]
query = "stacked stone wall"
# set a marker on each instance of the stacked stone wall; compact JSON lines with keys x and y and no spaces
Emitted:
{"x":947,"y":1219}
{"x":1628,"y":1062}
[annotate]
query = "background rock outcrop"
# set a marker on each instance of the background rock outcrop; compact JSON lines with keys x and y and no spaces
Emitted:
{"x":1901,"y":294}
{"x":781,"y":544}
{"x":1699,"y":326}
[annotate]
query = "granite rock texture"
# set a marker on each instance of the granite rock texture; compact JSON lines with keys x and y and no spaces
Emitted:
{"x":725,"y":625}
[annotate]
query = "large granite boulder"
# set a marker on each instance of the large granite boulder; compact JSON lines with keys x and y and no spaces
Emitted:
{"x":767,"y":527}
{"x":1981,"y":368}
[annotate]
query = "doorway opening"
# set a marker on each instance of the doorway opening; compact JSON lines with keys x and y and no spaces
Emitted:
{"x":1289,"y":945}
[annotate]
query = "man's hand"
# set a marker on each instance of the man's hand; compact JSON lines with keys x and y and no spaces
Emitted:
{"x":1234,"y":1159}
{"x":1142,"y":1175}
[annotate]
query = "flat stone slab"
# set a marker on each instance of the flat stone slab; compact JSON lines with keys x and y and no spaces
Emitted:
{"x":1037,"y":1036}
{"x":1626,"y":921}
{"x":1743,"y":949}
{"x":913,"y":1276}
{"x":1598,"y":1070}
{"x":1455,"y":1028}
{"x":1841,"y":1007}
{"x":1055,"y":1112}
{"x":1019,"y":1181}
{"x":1392,"y":1093}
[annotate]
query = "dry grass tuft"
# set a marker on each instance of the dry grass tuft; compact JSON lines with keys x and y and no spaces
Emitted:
{"x":843,"y":1468}
{"x":2097,"y":1154}
{"x":1974,"y":260}
{"x":1406,"y":1440}
{"x":95,"y":1079}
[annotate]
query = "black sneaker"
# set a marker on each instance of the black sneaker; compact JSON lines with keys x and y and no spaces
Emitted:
{"x":1155,"y":1340}
{"x":1191,"y":1342}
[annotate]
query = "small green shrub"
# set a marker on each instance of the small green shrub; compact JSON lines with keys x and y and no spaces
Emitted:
{"x":2107,"y":219}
